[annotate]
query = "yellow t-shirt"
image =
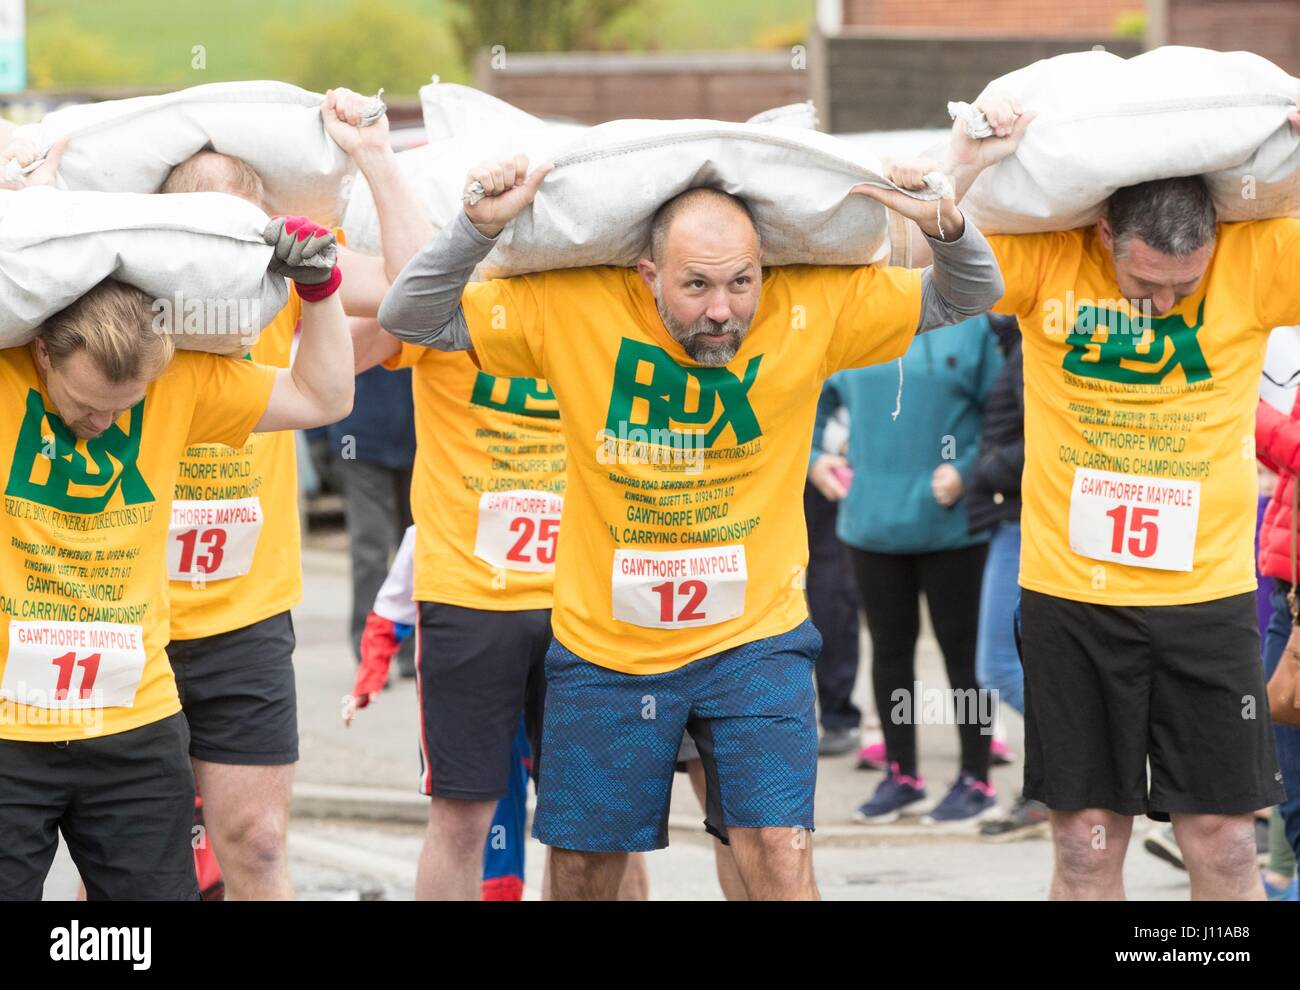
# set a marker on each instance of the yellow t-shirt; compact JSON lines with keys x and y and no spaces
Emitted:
{"x":683,"y":517}
{"x":1139,"y":484}
{"x":488,"y":484}
{"x":84,"y":597}
{"x":234,"y":546}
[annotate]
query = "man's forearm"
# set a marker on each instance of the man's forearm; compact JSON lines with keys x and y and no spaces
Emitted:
{"x":404,"y":224}
{"x":371,"y":344}
{"x":423,"y":304}
{"x":963,"y":282}
{"x":963,"y":177}
{"x":322,"y":365}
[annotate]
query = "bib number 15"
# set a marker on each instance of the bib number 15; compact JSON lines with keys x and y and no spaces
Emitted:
{"x":1136,"y":529}
{"x":1134,"y":520}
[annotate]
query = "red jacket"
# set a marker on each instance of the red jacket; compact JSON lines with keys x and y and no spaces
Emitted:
{"x":1277,"y":445}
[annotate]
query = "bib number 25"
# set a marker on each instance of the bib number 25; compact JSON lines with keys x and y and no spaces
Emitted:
{"x":518,"y":530}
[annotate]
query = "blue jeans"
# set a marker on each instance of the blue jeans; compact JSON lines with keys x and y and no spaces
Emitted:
{"x":1286,"y":737}
{"x":997,"y":662}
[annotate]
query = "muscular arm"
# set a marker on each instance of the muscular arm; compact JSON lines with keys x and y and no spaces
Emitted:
{"x":318,"y":388}
{"x":404,"y":227}
{"x":371,"y":344}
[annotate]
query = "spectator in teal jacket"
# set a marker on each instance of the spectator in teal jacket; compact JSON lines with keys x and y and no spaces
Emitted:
{"x":903,"y":518}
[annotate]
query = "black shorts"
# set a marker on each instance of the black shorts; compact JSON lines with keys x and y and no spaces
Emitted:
{"x":237,"y":690}
{"x":1109,"y":688}
{"x":477,"y":672}
{"x":125,"y":806}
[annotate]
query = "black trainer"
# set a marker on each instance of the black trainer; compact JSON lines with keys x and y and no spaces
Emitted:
{"x":1025,"y":820}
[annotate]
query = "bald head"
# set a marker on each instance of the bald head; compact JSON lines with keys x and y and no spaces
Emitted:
{"x":696,"y":211}
{"x":210,"y":171}
{"x":705,"y":270}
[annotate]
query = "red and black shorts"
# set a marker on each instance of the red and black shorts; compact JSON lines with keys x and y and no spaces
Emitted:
{"x":478,"y":671}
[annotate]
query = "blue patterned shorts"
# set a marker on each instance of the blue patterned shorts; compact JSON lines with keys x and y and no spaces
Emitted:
{"x":611,"y":741}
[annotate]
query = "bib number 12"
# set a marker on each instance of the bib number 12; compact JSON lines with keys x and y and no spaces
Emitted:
{"x":678,"y":589}
{"x":690,"y":593}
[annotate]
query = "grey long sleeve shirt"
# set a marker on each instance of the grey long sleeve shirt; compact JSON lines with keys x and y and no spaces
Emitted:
{"x":423,"y":304}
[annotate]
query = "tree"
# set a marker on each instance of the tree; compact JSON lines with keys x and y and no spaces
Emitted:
{"x":533,"y":25}
{"x":61,"y":55}
{"x":372,"y":43}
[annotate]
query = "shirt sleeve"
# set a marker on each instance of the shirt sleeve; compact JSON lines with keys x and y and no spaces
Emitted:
{"x":876,"y":314}
{"x":230,"y":395}
{"x":506,"y":322}
{"x":1276,"y":263}
{"x":1024,"y":260}
{"x":408,"y":357}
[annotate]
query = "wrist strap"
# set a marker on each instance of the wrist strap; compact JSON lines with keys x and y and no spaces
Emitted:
{"x":321,"y":290}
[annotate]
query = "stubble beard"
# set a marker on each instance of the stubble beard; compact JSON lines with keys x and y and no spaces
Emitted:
{"x":712,"y":354}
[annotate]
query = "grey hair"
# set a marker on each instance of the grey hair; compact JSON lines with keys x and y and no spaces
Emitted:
{"x":702,"y":197}
{"x":1173,"y":216}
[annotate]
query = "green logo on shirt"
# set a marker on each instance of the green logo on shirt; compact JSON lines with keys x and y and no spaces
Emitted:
{"x":655,"y":393}
{"x":111,"y":465}
{"x":1157,"y":345}
{"x":521,"y":396}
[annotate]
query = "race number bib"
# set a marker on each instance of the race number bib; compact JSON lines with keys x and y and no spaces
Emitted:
{"x":518,"y":530}
{"x":1133,"y":520}
{"x":73,"y":664}
{"x":679,"y":588}
{"x":212,"y":539}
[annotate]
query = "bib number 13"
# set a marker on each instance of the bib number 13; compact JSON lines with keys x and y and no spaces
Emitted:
{"x":211,"y":550}
{"x":213,"y":540}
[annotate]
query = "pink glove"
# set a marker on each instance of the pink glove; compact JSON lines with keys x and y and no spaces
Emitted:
{"x":305,"y":252}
